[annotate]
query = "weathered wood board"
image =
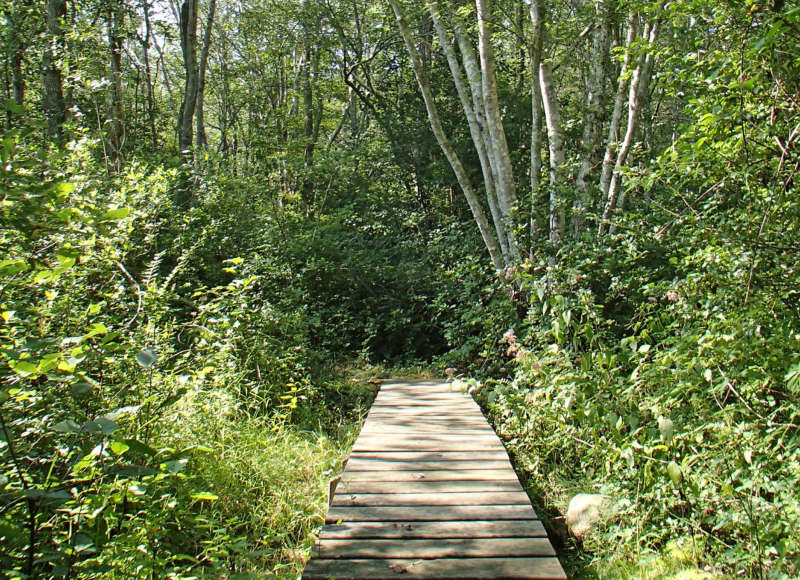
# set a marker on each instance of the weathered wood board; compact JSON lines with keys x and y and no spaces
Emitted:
{"x":429,"y":492}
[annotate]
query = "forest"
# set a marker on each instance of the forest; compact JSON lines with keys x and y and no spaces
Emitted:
{"x":222,"y":221}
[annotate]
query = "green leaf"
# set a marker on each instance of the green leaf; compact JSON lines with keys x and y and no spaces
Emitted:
{"x":11,"y":267}
{"x":23,"y":368}
{"x":139,"y":447}
{"x":67,"y":426}
{"x":146,"y":357}
{"x":205,"y":495}
{"x":176,"y":466}
{"x":106,"y":425}
{"x":674,"y":472}
{"x":116,"y":214}
{"x":81,"y":388}
{"x":119,"y":447}
{"x":667,"y":429}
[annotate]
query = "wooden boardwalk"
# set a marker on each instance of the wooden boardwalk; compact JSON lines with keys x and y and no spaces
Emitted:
{"x":428,"y":492}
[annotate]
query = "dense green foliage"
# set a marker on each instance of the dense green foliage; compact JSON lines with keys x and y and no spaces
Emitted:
{"x":187,"y":338}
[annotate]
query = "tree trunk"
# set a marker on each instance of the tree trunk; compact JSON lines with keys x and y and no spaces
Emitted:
{"x":188,"y":29}
{"x":447,"y":148}
{"x":475,"y":131}
{"x":616,"y":115}
{"x":640,"y":82}
{"x":115,"y":135}
{"x":537,"y":44}
{"x":601,"y":37}
{"x":498,"y":147}
{"x":145,"y":42}
{"x":52,"y":85}
{"x":555,"y":138}
{"x":200,"y":132}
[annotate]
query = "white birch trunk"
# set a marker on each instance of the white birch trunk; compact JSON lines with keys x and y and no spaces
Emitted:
{"x":555,"y":138}
{"x":447,"y":148}
{"x":537,"y":42}
{"x":640,"y":81}
{"x":474,"y":129}
{"x":616,"y":115}
{"x":498,"y":147}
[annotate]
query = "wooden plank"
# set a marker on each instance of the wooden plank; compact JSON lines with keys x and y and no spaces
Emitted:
{"x":417,"y":426}
{"x":453,"y":529}
{"x":386,"y":428}
{"x":491,"y":455}
{"x":446,"y":424}
{"x":430,"y":443}
{"x":443,"y":438}
{"x":429,"y":513}
{"x":422,"y":486}
{"x":356,"y":464}
{"x":438,"y":548}
{"x":430,"y":475}
{"x":464,"y":569}
{"x":432,"y":499}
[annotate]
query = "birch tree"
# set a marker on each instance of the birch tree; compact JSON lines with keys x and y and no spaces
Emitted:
{"x":637,"y":91}
{"x":445,"y":144}
{"x":536,"y":45}
{"x":557,"y":152}
{"x":474,"y":76}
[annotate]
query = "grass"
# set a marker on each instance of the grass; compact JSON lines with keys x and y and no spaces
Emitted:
{"x":270,"y":478}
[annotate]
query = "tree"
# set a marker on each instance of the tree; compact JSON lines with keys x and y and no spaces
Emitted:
{"x":55,"y":108}
{"x":188,"y":35}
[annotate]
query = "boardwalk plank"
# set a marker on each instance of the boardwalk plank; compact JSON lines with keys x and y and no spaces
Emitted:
{"x":422,"y":486}
{"x":438,"y":548}
{"x":429,"y":475}
{"x":464,"y":569}
{"x":432,"y":499}
{"x":429,"y":513}
{"x":453,"y":529}
{"x":357,"y":464}
{"x":492,"y":455}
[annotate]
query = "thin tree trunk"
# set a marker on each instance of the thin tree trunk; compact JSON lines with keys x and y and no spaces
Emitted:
{"x":200,"y":132}
{"x":555,"y":139}
{"x":616,"y":115}
{"x":16,"y":49}
{"x":148,"y":73}
{"x":447,"y":148}
{"x":638,"y":89}
{"x":592,"y":112}
{"x":188,"y":26}
{"x":52,"y":84}
{"x":115,"y":134}
{"x":474,"y":128}
{"x":537,"y":43}
{"x":498,"y":147}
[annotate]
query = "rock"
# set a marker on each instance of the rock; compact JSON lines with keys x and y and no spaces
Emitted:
{"x":584,"y":510}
